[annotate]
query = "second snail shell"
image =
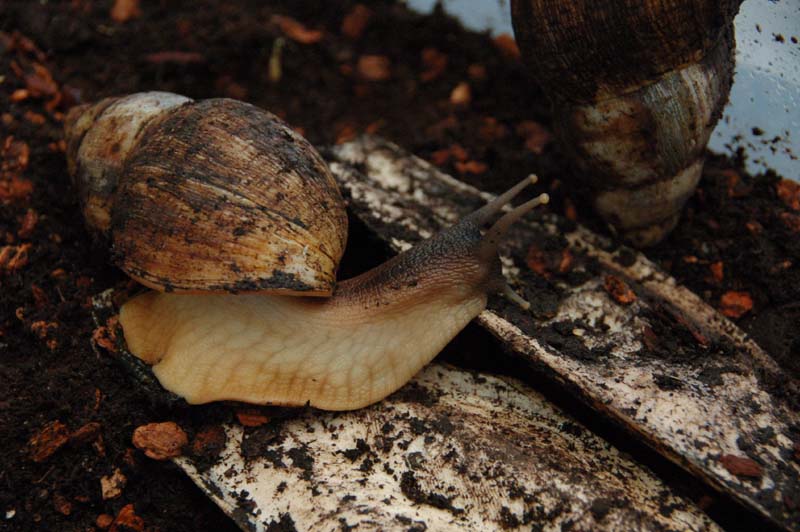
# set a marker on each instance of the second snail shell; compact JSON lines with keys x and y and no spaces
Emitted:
{"x":637,"y":88}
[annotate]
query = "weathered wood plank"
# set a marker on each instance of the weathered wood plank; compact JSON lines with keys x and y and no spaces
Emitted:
{"x":666,"y":366}
{"x":453,"y":450}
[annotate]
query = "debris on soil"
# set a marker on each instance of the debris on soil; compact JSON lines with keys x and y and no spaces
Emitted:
{"x":125,"y":10}
{"x":789,"y":193}
{"x":297,"y":31}
{"x":251,"y":418}
{"x":111,"y":486}
{"x":127,"y":520}
{"x":735,"y":304}
{"x":106,"y":335}
{"x":209,"y":442}
{"x":619,"y":290}
{"x":461,"y":94}
{"x":741,"y":466}
{"x":374,"y":67}
{"x":507,"y":45}
{"x":355,"y":22}
{"x":160,"y":441}
{"x":47,"y":441}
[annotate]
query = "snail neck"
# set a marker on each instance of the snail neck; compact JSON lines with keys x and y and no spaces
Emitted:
{"x":448,"y":267}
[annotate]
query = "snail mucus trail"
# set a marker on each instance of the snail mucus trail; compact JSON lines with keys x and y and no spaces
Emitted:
{"x":335,"y":353}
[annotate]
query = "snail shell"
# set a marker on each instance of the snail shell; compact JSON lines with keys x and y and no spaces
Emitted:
{"x":637,"y":88}
{"x":211,"y":195}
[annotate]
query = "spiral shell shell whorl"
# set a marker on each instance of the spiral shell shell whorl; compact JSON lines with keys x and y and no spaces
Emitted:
{"x":637,"y":88}
{"x":212,"y":195}
{"x":99,"y":138}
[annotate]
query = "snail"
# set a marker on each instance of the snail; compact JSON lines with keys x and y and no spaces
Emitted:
{"x":636,"y":89}
{"x":230,"y":216}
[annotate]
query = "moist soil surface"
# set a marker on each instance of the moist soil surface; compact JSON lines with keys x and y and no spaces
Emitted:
{"x":459,"y":99}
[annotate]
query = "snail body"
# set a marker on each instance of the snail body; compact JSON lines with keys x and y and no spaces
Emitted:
{"x":636,"y":88}
{"x":367,"y":339}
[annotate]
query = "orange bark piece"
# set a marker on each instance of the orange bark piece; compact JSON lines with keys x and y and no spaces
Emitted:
{"x":106,"y":335}
{"x":471,"y":167}
{"x":296,"y":31}
{"x":48,"y":440}
{"x":209,"y":441}
{"x":717,"y":271}
{"x":251,"y":418}
{"x":104,"y":521}
{"x":477,"y":72}
{"x":458,"y":152}
{"x":619,"y":290}
{"x":127,"y":520}
{"x":88,"y":432}
{"x":507,"y":45}
{"x":111,"y":486}
{"x":548,"y":262}
{"x":375,"y":126}
{"x":789,"y":193}
{"x":355,"y":22}
{"x":735,"y":304}
{"x":15,"y":189}
{"x":566,"y":261}
{"x":13,"y":258}
{"x":40,"y":82}
{"x":125,"y":10}
{"x":39,"y":296}
{"x":160,"y":441}
{"x":435,"y":63}
{"x":16,"y":155}
{"x":570,"y":212}
{"x":174,"y":56}
{"x":345,"y":133}
{"x":461,"y":94}
{"x":28,"y":224}
{"x":492,"y":129}
{"x":61,"y":504}
{"x":440,"y":157}
{"x":791,"y":221}
{"x":35,"y":118}
{"x":374,"y":67}
{"x":741,"y":466}
{"x":19,"y":95}
{"x":536,"y":259}
{"x":536,"y":136}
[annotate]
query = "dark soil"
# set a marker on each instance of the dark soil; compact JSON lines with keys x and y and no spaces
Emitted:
{"x":54,"y":382}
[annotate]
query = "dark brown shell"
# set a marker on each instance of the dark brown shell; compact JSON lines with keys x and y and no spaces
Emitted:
{"x":637,"y":87}
{"x":584,"y":50}
{"x":219,"y":195}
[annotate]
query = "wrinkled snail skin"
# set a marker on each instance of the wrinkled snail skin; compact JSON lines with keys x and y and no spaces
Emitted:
{"x":341,"y":353}
{"x":206,"y":196}
{"x":226,"y":212}
{"x":637,"y":88}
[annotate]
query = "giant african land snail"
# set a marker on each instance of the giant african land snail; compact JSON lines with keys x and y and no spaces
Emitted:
{"x":215,"y":196}
{"x":637,"y":87}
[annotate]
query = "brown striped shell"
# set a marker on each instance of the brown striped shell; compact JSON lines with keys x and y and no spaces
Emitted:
{"x":211,"y":195}
{"x":637,"y":86}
